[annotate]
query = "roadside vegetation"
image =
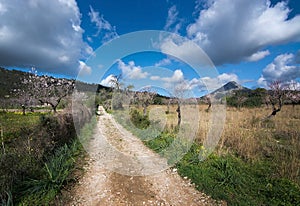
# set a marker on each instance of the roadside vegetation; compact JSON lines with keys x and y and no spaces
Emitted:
{"x":38,"y":155}
{"x":256,"y":162}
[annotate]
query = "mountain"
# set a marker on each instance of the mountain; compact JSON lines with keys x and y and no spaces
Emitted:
{"x":229,"y":87}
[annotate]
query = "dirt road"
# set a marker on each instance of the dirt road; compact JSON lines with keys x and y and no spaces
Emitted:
{"x":122,"y":171}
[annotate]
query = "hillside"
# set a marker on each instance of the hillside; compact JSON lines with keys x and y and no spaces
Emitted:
{"x":12,"y":79}
{"x":9,"y":79}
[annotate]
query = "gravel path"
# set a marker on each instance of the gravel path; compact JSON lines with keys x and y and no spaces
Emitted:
{"x":122,"y":171}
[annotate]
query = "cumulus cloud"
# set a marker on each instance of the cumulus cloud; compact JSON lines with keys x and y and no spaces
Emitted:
{"x":131,"y":71}
{"x":232,"y":31}
{"x":107,"y":81}
{"x":184,"y":50}
{"x":43,"y":34}
{"x":84,"y":69}
{"x":102,"y":25}
{"x":175,"y":78}
{"x":178,"y":82}
{"x":284,"y":68}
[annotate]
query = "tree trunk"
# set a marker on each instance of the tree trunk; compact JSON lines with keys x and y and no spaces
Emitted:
{"x":178,"y":115}
{"x":54,"y":106}
{"x":23,"y":109}
{"x":54,"y":109}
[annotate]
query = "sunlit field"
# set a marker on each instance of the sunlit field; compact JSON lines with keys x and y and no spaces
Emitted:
{"x":255,"y":162}
{"x":248,"y":133}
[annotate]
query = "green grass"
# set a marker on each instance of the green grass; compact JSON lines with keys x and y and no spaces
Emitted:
{"x":13,"y":123}
{"x":232,"y":179}
{"x":56,"y":172}
{"x":238,"y":182}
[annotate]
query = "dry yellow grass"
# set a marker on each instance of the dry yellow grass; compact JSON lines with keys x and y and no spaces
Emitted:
{"x":251,"y":136}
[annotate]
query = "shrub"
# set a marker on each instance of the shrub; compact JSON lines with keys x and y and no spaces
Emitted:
{"x":139,"y":120}
{"x":54,"y":174}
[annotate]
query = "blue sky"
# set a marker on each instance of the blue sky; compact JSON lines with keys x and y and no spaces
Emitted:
{"x":252,"y":42}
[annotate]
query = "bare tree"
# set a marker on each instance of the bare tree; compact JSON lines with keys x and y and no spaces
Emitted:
{"x":44,"y":89}
{"x":117,"y":97}
{"x":180,"y":92}
{"x":281,"y":93}
{"x":293,"y":94}
{"x":52,"y":90}
{"x":25,"y":91}
{"x":115,"y":81}
{"x":145,"y":98}
{"x":178,"y":110}
{"x":207,"y":100}
{"x":276,"y":97}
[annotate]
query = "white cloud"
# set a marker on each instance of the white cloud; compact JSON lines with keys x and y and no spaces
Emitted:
{"x":177,"y":77}
{"x":103,"y":26}
{"x":107,"y":81}
{"x":230,"y":31}
{"x":89,"y":50}
{"x":215,"y":83}
{"x":131,"y":71}
{"x":283,"y":68}
{"x":258,"y":56}
{"x":173,"y":23}
{"x":225,"y":77}
{"x":84,"y":69}
{"x":262,"y":82}
{"x":184,"y":50}
{"x":2,"y":9}
{"x":163,"y":62}
{"x":178,"y":82}
{"x":47,"y":35}
{"x":155,"y":78}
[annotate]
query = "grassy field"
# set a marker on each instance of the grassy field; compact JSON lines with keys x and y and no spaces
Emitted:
{"x":12,"y":123}
{"x":248,"y":134}
{"x":256,"y":161}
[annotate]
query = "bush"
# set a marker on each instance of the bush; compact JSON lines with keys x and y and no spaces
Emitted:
{"x":139,"y":120}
